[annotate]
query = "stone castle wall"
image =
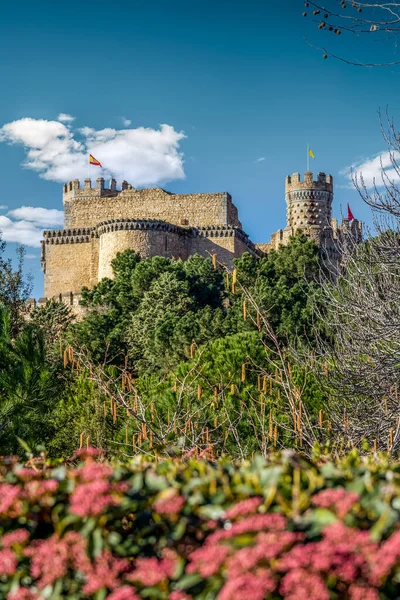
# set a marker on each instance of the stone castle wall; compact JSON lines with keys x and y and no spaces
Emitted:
{"x":89,"y":206}
{"x":100,"y":222}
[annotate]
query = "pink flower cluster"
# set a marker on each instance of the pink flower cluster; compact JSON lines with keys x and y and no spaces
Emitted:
{"x":170,"y":505}
{"x":245,"y":507}
{"x":51,"y":558}
{"x":94,"y":491}
{"x":105,"y":571}
{"x":277,"y":560}
{"x":151,"y":571}
{"x":10,"y":502}
{"x":339,"y":499}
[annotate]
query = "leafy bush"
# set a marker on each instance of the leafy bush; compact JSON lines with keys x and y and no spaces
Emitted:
{"x":181,"y":529}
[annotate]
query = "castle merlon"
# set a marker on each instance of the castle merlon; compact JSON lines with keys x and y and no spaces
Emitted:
{"x":323,"y":181}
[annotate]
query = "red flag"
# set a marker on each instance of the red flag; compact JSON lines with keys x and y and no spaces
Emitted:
{"x":350,"y":215}
{"x":94,"y":161}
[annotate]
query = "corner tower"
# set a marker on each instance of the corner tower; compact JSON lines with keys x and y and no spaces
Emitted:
{"x":309,"y":203}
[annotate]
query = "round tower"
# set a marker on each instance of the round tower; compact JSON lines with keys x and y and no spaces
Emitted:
{"x":309,"y":202}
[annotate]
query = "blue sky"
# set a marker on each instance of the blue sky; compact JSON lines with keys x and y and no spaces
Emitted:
{"x":237,"y":78}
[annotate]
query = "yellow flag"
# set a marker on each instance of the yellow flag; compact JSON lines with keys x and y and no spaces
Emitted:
{"x":311,"y":153}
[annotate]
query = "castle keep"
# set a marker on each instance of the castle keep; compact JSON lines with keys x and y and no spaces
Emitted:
{"x":99,"y":222}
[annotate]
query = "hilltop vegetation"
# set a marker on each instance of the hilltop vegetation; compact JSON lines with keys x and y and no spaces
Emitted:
{"x":192,"y":354}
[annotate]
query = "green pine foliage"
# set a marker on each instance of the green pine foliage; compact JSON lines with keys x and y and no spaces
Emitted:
{"x":181,"y":335}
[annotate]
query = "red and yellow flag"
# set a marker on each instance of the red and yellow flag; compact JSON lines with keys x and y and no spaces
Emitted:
{"x":94,"y":161}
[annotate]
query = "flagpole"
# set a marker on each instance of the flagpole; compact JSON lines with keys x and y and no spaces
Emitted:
{"x":308,"y":156}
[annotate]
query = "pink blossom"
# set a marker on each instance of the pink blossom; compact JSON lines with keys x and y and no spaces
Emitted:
{"x":246,"y":586}
{"x":339,"y":499}
{"x":10,"y":504}
{"x":27,"y":473}
{"x":40,"y":491}
{"x":299,"y":584}
{"x":8,"y":562}
{"x":94,"y":491}
{"x":249,"y":557}
{"x":178,"y":595}
{"x":18,"y":536}
{"x":387,"y":557}
{"x":207,"y":560}
{"x":254,"y":523}
{"x":49,"y":560}
{"x":126,"y":592}
{"x":243,"y":508}
{"x":23,"y":594}
{"x":150,"y":571}
{"x":85,"y":453}
{"x":104,"y":572}
{"x":169,"y":506}
{"x":358,"y":592}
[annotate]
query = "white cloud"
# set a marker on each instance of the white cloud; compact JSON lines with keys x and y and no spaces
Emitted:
{"x":142,"y":156}
{"x":45,"y":217}
{"x":31,"y":256}
{"x":3,"y":206}
{"x":64,"y":118}
{"x":25,"y":225}
{"x":371,"y":169}
{"x":22,"y":232}
{"x":260,"y":159}
{"x":126,"y":122}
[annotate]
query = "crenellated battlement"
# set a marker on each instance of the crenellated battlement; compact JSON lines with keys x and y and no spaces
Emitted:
{"x":73,"y":189}
{"x":323,"y":182}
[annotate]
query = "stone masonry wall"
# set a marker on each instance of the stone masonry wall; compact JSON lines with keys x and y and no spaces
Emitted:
{"x":68,"y":267}
{"x":88,"y":207}
{"x":146,"y":242}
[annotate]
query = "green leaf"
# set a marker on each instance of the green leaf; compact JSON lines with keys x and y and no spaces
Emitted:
{"x":188,"y":581}
{"x":24,"y":445}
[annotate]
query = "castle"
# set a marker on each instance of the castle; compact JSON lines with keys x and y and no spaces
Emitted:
{"x":99,"y":222}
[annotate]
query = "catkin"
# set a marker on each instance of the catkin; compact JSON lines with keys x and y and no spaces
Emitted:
{"x":216,"y":395}
{"x":214,"y":261}
{"x":265,"y":384}
{"x":245,"y":310}
{"x":199,"y":392}
{"x":243,"y":372}
{"x":275,"y":435}
{"x":232,"y":388}
{"x":81,"y":440}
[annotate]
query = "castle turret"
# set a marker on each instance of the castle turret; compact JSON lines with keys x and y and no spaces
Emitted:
{"x":309,"y":202}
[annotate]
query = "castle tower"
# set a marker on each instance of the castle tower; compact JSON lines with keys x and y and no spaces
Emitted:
{"x":309,"y":203}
